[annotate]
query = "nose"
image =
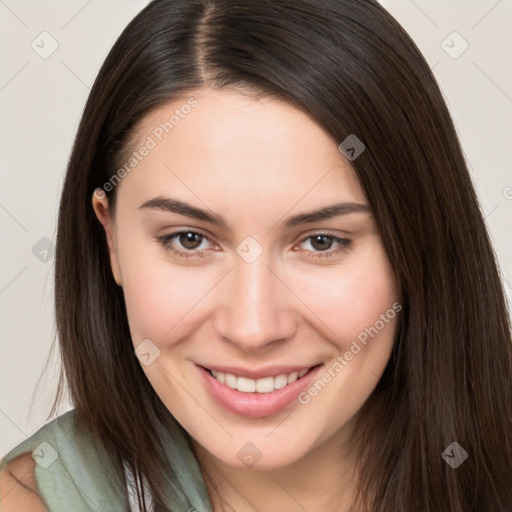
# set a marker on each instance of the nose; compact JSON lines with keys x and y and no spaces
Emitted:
{"x":256,"y":308}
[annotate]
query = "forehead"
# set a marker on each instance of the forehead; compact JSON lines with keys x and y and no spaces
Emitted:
{"x":221,"y":144}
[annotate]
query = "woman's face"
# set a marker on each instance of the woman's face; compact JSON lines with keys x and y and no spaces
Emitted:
{"x":226,"y":267}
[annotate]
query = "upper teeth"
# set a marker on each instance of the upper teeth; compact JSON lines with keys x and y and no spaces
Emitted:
{"x":265,"y":385}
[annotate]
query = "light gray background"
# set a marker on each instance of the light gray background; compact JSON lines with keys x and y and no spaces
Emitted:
{"x":41,"y":101}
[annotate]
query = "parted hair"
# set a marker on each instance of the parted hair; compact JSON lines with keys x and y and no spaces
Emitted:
{"x":352,"y":67}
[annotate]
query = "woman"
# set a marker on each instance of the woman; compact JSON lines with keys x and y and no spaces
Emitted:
{"x":274,"y":285}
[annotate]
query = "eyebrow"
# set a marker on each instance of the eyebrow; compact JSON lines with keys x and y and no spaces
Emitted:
{"x":324,"y":213}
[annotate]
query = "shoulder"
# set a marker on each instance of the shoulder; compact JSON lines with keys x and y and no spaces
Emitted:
{"x":64,"y":467}
{"x":18,"y":489}
{"x":40,"y":446}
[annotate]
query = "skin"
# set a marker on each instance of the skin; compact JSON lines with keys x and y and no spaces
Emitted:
{"x":255,"y":162}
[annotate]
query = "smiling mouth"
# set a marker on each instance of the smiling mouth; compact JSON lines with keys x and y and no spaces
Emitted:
{"x":263,"y":385}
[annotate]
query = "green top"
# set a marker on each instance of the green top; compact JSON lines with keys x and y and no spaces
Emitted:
{"x":72,"y":473}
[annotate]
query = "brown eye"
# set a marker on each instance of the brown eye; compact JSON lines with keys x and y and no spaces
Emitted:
{"x":321,"y":242}
{"x":324,"y":245}
{"x":190,"y":240}
{"x":186,"y":244}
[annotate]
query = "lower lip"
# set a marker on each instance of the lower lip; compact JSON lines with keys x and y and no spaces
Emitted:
{"x":256,"y":405}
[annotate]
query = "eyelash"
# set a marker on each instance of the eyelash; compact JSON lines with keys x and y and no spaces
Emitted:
{"x":166,"y":242}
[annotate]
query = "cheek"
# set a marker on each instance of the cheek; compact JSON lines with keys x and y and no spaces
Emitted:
{"x":158,"y":294}
{"x":351,"y":299}
{"x":343,"y":301}
{"x":359,"y":309}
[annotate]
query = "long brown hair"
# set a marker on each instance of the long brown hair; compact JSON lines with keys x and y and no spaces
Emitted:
{"x":352,"y":67}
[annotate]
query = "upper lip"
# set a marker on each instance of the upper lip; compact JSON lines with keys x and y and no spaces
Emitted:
{"x":260,"y":373}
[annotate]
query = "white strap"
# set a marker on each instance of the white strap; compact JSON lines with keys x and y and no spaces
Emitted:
{"x":131,"y":487}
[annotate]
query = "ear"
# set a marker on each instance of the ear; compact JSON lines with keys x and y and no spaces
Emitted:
{"x":104,"y":215}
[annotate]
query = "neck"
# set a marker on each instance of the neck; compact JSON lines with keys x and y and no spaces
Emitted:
{"x":321,"y":480}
